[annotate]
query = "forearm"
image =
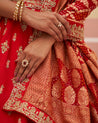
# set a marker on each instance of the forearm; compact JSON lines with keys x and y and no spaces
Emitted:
{"x":7,"y":8}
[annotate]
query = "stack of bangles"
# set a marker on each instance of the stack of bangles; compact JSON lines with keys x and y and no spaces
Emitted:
{"x":18,"y":11}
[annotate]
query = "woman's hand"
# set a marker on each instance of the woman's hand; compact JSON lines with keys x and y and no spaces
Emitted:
{"x":35,"y":53}
{"x":47,"y":22}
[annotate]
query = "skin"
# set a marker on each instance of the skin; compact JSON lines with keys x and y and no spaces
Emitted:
{"x":37,"y":50}
{"x":35,"y":53}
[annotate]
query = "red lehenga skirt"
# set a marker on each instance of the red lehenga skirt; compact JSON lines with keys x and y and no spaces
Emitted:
{"x":64,"y":89}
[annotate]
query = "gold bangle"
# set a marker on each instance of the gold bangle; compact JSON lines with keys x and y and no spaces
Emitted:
{"x":15,"y":15}
{"x":21,"y":11}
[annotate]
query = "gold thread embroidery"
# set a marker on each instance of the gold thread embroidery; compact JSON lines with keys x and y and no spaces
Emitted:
{"x":19,"y":51}
{"x":75,"y":78}
{"x":30,"y":39}
{"x":14,"y":37}
{"x":4,"y":31}
{"x":40,"y":4}
{"x":69,"y":95}
{"x":23,"y":107}
{"x":1,"y":89}
{"x":56,"y":91}
{"x":23,"y":26}
{"x":7,"y":63}
{"x":4,"y":46}
{"x":77,"y":33}
{"x":83,"y":98}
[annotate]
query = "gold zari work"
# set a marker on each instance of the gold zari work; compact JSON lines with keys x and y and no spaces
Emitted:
{"x":4,"y":46}
{"x":1,"y":89}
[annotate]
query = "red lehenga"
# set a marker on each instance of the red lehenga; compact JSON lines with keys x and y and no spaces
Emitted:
{"x":64,"y":89}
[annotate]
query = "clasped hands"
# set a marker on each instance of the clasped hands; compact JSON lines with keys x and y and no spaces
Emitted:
{"x":55,"y":28}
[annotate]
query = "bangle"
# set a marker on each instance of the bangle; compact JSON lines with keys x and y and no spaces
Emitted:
{"x":21,"y":11}
{"x":15,"y":15}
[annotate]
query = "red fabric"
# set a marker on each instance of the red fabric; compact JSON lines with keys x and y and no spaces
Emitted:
{"x":72,"y":60}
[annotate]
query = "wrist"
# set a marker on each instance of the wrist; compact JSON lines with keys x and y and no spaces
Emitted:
{"x":25,"y":14}
{"x":49,"y":37}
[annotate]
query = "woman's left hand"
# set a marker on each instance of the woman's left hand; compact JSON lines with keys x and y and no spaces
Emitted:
{"x":34,"y":53}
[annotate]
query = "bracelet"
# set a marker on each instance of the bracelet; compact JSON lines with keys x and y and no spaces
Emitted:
{"x":21,"y":11}
{"x":15,"y":15}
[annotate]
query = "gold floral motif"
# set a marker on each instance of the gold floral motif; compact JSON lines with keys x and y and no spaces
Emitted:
{"x":83,"y":98}
{"x":69,"y":95}
{"x":30,"y":39}
{"x":4,"y":46}
{"x":13,"y":80}
{"x":40,"y":5}
{"x":63,"y":75}
{"x":7,"y":63}
{"x":19,"y":51}
{"x":1,"y":89}
{"x":56,"y":90}
{"x":75,"y":78}
{"x":30,"y":112}
{"x":14,"y":37}
{"x":23,"y":26}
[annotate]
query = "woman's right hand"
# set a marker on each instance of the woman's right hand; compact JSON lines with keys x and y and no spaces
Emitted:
{"x":47,"y":22}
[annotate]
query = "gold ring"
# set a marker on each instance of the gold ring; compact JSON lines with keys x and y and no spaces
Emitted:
{"x":59,"y":24}
{"x":25,"y":63}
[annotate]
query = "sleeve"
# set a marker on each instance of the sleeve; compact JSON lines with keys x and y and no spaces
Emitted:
{"x":76,"y":13}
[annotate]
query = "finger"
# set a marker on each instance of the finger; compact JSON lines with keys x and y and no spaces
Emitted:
{"x":54,"y":26}
{"x":64,"y":32}
{"x":27,"y":70}
{"x":19,"y":64}
{"x":64,"y":22}
{"x":21,"y":70}
{"x":34,"y":68}
{"x":53,"y":34}
{"x":57,"y":31}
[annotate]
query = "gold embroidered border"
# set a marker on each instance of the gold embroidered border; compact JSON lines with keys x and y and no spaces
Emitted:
{"x":15,"y":103}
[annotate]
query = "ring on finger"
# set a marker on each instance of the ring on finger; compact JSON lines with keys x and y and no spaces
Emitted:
{"x":59,"y":25}
{"x":25,"y":62}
